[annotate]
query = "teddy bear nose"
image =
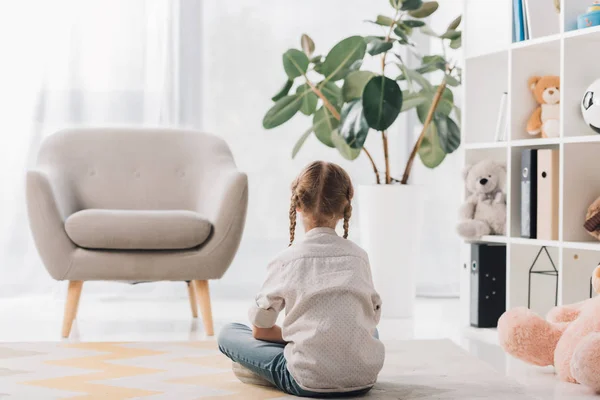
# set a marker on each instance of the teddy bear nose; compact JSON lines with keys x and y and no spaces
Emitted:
{"x":551,"y":91}
{"x":483,"y":181}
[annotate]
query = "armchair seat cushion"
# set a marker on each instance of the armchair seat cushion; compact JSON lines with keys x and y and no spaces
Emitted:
{"x":137,"y":229}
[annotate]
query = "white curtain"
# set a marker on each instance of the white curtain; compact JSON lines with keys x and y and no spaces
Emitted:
{"x":84,"y":63}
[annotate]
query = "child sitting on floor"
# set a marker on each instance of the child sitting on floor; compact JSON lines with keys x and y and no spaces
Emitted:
{"x":327,"y":345}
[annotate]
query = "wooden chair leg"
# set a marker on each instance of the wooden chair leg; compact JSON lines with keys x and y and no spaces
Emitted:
{"x":192,"y":296}
{"x":203,"y":297}
{"x":71,"y":306}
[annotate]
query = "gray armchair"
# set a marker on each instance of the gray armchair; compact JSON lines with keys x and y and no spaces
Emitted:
{"x":136,"y":205}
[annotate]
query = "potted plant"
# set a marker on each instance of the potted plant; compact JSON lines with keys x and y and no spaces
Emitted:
{"x":346,"y":103}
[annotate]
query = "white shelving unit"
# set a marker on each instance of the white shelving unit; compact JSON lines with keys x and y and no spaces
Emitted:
{"x":494,"y":65}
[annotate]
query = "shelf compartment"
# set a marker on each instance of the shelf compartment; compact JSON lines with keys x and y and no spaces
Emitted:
{"x":538,"y":59}
{"x":570,"y":10}
{"x":577,"y":269}
{"x":581,"y":186}
{"x":543,"y":287}
{"x":579,"y":72}
{"x":483,"y":105}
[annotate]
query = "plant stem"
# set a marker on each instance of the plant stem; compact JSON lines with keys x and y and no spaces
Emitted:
{"x":413,"y":154}
{"x":337,"y":116}
{"x":386,"y":157}
{"x":326,"y":102}
{"x":373,"y":164}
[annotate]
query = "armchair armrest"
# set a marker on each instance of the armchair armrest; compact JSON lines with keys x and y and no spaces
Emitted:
{"x":225,"y":206}
{"x":48,"y":204}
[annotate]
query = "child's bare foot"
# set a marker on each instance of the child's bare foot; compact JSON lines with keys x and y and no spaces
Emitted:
{"x":247,"y":376}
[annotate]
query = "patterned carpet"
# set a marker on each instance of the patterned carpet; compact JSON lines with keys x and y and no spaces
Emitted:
{"x":196,"y":370}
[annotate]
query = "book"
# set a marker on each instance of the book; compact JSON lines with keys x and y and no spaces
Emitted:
{"x":502,"y":120}
{"x":524,"y":14}
{"x":547,"y":194}
{"x":518,"y":20}
{"x":541,"y":18}
{"x":529,"y":177}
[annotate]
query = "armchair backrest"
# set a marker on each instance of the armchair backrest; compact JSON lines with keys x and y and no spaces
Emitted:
{"x":127,"y":168}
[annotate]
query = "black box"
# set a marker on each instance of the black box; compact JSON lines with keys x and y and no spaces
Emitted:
{"x":529,"y":193}
{"x":488,"y":284}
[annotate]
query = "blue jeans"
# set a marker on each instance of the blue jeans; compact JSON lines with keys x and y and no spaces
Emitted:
{"x":266,"y":360}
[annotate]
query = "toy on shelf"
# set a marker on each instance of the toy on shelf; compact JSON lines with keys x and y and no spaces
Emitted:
{"x":484,"y":210}
{"x":591,"y":16}
{"x":592,"y":219}
{"x":545,"y":118}
{"x":567,"y":338}
{"x":590,"y":106}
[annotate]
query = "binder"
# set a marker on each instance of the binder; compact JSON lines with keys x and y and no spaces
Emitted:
{"x":547,"y":196}
{"x":518,"y":26}
{"x":488,"y":284}
{"x":529,"y":193}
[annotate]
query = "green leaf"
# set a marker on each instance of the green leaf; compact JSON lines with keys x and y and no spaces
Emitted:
{"x":413,"y":23}
{"x":415,"y":76}
{"x":378,"y":46}
{"x":355,"y":66}
{"x":396,"y":4}
{"x":316,"y":59}
{"x":301,"y":141}
{"x":284,"y":109}
{"x":338,"y":61}
{"x":456,"y":43}
{"x":385,"y":21}
{"x":445,"y":106}
{"x":454,"y":24}
{"x":448,"y":133}
{"x":432,"y":63}
{"x":411,"y":100}
{"x":382,"y":102}
{"x":284,"y":90}
{"x":425,"y":10}
{"x":323,"y":124}
{"x":355,"y":83}
{"x":353,"y":125}
{"x":430,"y":151}
{"x":295,"y":63}
{"x":451,"y":34}
{"x":308,"y":46}
{"x":411,"y":4}
{"x":309,"y":100}
{"x":426,"y":30}
{"x":452,"y":81}
{"x":332,"y":92}
{"x":344,"y":149}
{"x":401,"y":33}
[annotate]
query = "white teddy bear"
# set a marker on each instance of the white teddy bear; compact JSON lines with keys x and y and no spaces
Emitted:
{"x":484,"y":210}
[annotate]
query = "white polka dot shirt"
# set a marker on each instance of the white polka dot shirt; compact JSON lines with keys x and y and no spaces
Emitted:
{"x":324,"y":284}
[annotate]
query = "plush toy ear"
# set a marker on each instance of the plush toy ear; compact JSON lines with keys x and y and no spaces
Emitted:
{"x":502,"y":178}
{"x":465,"y":171}
{"x":596,"y":279}
{"x":533,"y":81}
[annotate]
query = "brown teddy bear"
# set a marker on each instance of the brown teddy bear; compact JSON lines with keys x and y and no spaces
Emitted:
{"x":592,"y":219}
{"x":545,"y":118}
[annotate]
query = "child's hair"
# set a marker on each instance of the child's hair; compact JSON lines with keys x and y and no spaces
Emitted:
{"x":324,"y":191}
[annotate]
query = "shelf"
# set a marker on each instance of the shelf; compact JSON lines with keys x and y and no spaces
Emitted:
{"x":582,"y":139}
{"x":535,"y":242}
{"x":535,"y":142}
{"x":485,"y":54}
{"x":487,"y":145}
{"x":541,"y":42}
{"x":585,"y":33}
{"x":490,"y":239}
{"x":595,"y":246}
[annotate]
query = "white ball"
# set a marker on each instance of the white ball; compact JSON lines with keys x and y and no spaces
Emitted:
{"x":590,"y":106}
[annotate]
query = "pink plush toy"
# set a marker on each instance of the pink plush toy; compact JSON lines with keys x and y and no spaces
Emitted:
{"x":569,"y":338}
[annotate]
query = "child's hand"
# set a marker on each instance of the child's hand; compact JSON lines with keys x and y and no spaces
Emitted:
{"x":272,"y":334}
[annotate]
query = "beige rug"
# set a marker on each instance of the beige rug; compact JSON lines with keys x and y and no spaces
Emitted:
{"x":188,"y":370}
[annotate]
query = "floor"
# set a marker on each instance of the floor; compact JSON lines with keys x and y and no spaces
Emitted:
{"x":121,"y":319}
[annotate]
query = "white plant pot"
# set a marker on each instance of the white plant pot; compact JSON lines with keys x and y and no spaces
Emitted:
{"x":391,"y":218}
